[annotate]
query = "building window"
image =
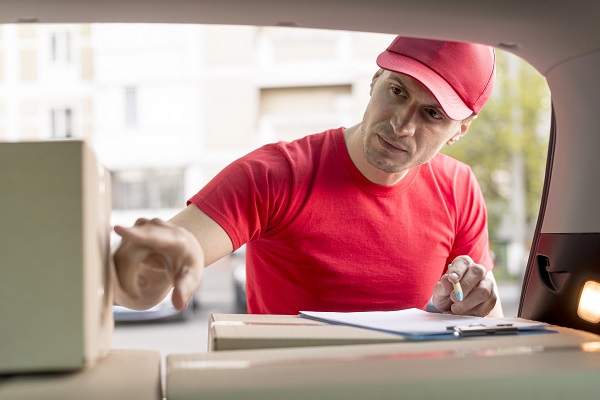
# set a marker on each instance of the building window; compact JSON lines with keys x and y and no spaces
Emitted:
{"x":148,"y":189}
{"x":60,"y":47}
{"x":61,"y":123}
{"x":131,"y":106}
{"x":287,"y":113}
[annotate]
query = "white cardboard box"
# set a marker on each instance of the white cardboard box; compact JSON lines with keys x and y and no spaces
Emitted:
{"x":563,"y":365}
{"x":260,"y":331}
{"x":121,"y":375}
{"x":55,"y":302}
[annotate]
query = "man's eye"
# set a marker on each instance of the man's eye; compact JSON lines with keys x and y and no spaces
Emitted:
{"x":397,"y":91}
{"x":434,"y":113}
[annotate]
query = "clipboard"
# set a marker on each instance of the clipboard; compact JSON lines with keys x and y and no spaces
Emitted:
{"x":416,"y":324}
{"x":482,"y":330}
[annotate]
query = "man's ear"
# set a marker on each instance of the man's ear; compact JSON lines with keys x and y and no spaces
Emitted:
{"x":374,"y":79}
{"x":462,"y":129}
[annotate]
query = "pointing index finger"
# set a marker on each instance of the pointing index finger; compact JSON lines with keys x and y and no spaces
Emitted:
{"x":150,"y":236}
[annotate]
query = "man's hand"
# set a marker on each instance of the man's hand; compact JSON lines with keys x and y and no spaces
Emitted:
{"x":154,"y":256}
{"x":478,"y":287}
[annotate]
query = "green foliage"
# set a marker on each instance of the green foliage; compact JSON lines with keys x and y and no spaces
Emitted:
{"x":514,"y":122}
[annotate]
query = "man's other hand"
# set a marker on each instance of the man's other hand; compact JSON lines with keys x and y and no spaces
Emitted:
{"x":478,"y":286}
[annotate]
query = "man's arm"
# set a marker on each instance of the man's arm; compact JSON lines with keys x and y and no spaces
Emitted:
{"x":155,"y":256}
{"x":214,"y":240}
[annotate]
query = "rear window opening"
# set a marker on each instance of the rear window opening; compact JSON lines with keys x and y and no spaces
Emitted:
{"x":168,"y":106}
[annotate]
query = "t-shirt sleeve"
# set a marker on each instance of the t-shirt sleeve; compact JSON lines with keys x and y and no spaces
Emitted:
{"x":248,"y":196}
{"x":472,"y":236}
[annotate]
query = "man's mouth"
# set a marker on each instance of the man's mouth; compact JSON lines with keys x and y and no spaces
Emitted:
{"x":392,"y":148}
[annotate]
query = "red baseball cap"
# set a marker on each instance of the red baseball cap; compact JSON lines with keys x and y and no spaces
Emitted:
{"x":460,"y":75}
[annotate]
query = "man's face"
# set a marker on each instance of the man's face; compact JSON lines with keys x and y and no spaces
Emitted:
{"x":404,"y":125}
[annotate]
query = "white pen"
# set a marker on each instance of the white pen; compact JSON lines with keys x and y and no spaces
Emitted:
{"x":457,"y":288}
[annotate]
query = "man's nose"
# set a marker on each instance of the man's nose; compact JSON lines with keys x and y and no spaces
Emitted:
{"x":404,"y":122}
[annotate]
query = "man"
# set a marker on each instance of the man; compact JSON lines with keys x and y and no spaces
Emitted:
{"x":358,"y":219}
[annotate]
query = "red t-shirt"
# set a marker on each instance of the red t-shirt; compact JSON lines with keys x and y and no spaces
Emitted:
{"x":321,"y":237}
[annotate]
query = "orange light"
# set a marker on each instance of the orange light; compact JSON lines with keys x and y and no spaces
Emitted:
{"x":589,"y":302}
{"x":591,"y":347}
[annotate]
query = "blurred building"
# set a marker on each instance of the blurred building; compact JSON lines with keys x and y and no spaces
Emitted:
{"x":167,"y":106}
{"x":46,"y":82}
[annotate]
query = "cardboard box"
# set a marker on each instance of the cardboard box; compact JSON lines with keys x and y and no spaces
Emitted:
{"x":525,"y":366}
{"x":259,"y":331}
{"x":55,"y":298}
{"x":122,"y":374}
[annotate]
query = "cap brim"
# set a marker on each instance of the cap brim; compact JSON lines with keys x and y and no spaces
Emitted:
{"x":450,"y":102}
